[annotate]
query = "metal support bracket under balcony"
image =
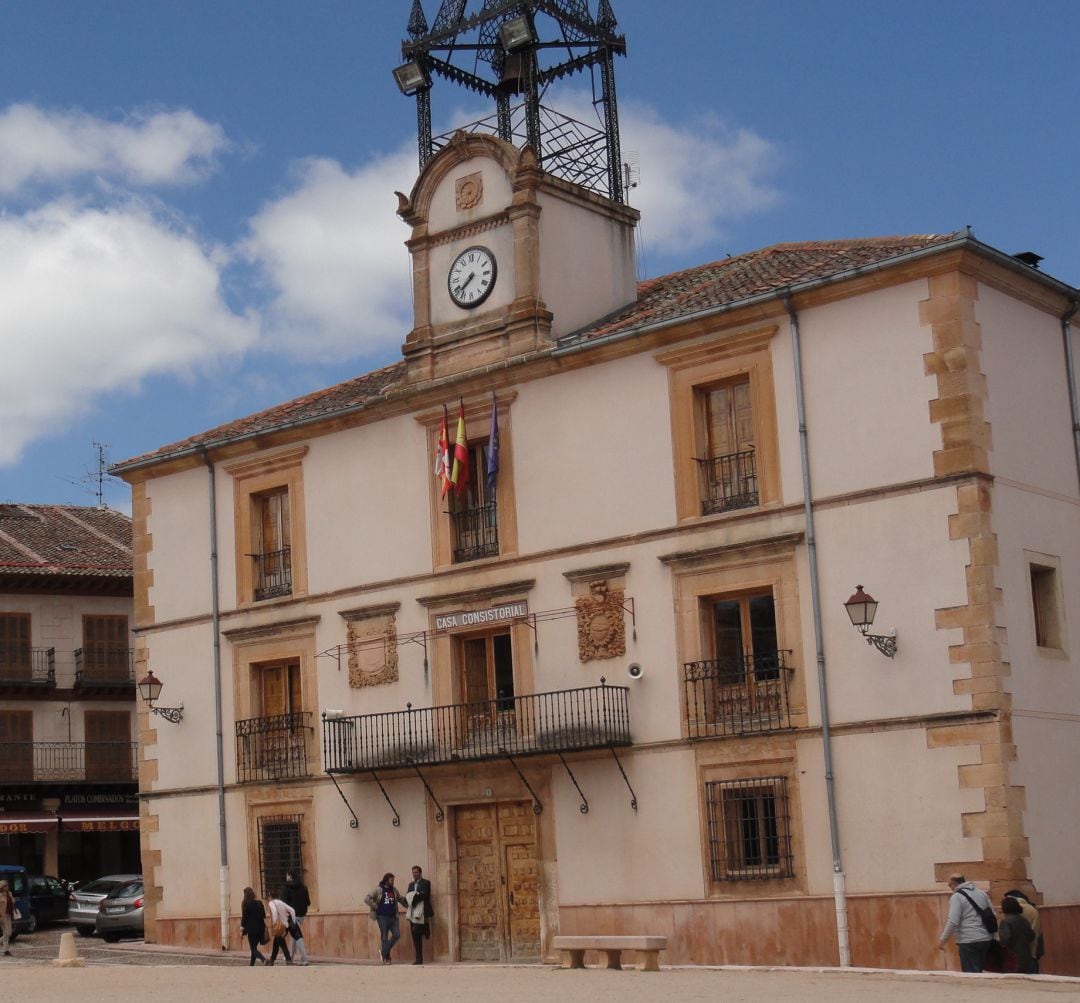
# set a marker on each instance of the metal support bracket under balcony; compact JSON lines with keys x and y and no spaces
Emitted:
{"x":354,"y":822}
{"x":397,"y":817}
{"x":584,"y":806}
{"x":439,"y":816}
{"x":626,"y":780}
{"x":537,"y":806}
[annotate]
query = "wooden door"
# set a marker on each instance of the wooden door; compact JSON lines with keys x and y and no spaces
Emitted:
{"x":108,"y":745}
{"x":105,"y":648}
{"x":15,"y":661}
{"x":16,"y":745}
{"x":498,"y":882}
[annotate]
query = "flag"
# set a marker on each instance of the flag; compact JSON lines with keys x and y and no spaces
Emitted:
{"x":442,"y":455}
{"x":459,"y":475}
{"x":493,"y":446}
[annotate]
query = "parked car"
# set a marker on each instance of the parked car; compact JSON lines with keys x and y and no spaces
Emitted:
{"x":48,"y":899}
{"x":83,"y":902}
{"x":120,"y":913}
{"x":19,"y":887}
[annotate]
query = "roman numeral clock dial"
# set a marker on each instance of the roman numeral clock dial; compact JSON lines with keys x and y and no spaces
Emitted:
{"x":472,"y":277}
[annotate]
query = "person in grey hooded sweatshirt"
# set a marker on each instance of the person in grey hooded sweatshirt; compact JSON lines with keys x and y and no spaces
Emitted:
{"x":964,"y":922}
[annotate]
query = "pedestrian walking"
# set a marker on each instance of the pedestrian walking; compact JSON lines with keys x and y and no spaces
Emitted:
{"x":384,"y":901}
{"x":253,"y":924}
{"x":295,"y":893}
{"x":966,"y":907}
{"x":420,"y":912}
{"x":282,"y":916}
{"x":7,"y":916}
{"x":1031,"y":914}
{"x":1017,"y":938}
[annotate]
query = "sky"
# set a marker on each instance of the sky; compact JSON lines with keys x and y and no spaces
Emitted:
{"x":197,"y":209}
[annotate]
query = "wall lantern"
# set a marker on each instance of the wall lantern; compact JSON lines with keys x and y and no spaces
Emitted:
{"x":150,"y":689}
{"x":861,"y":608}
{"x":411,"y":77}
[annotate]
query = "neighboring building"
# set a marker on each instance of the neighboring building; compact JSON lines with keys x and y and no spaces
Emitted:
{"x":68,"y":791}
{"x":584,"y":688}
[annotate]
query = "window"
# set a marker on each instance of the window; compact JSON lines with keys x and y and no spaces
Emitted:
{"x":728,"y":467}
{"x":273,"y":544}
{"x":487,"y":681}
{"x":105,"y":656}
{"x":749,"y":829}
{"x":16,"y":745}
{"x":15,"y":655}
{"x":110,"y":754}
{"x":280,"y":851}
{"x":742,"y":686}
{"x":474,"y":517}
{"x":1046,"y":601}
{"x":723,"y":418}
{"x":271,"y":552}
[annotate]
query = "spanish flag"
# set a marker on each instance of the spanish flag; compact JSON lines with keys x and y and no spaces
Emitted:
{"x":459,"y":476}
{"x":442,"y":455}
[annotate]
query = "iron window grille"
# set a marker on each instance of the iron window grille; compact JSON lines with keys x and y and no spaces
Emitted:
{"x":737,"y":695}
{"x":272,"y":748}
{"x":273,"y":574}
{"x":749,"y":829}
{"x":280,"y":851}
{"x":728,"y":482}
{"x":475,"y":533}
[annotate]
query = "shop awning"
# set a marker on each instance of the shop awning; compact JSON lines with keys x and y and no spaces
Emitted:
{"x":14,"y":823}
{"x":124,"y":819}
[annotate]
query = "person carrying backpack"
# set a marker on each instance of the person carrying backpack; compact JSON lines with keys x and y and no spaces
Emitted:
{"x":972,"y":922}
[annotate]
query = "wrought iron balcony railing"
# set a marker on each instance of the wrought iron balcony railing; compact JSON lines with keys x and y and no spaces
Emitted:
{"x":25,"y":762}
{"x":475,"y":533}
{"x":273,"y":748}
{"x":103,"y":667}
{"x":728,"y":482}
{"x":594,"y":717}
{"x":273,"y":574}
{"x":21,"y":665}
{"x":737,"y":696}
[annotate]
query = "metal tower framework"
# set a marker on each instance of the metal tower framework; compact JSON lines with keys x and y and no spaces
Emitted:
{"x":517,"y":48}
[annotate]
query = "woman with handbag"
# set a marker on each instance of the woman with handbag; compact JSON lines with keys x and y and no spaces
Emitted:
{"x":282,"y":917}
{"x":253,"y":924}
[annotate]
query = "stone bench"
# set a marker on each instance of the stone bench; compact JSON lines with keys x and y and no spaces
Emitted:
{"x":574,"y":948}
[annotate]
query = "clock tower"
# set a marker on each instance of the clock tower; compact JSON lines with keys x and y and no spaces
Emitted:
{"x":519,"y":230}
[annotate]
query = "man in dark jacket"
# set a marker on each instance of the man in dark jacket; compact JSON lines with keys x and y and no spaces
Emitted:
{"x":421,"y":911}
{"x":295,"y":893}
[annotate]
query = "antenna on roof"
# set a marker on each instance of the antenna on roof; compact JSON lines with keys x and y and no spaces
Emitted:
{"x":94,"y":480}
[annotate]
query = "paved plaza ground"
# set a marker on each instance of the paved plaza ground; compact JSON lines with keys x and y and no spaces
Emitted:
{"x":131,"y":971}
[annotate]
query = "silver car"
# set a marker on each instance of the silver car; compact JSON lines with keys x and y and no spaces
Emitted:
{"x":83,"y":902}
{"x":120,"y":913}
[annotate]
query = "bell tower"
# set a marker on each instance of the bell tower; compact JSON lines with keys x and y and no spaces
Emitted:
{"x":520,"y":233}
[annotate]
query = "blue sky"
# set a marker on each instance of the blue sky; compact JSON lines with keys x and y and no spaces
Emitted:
{"x":196,"y":196}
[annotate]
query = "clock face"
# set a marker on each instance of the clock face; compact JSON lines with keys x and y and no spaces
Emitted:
{"x":472,"y":277}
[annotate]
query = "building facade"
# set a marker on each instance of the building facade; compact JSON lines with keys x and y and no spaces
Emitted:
{"x":68,"y":790}
{"x":605,"y":682}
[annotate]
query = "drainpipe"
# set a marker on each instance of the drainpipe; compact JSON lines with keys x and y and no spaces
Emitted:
{"x":839,"y":889}
{"x":215,"y":622}
{"x":1070,"y":371}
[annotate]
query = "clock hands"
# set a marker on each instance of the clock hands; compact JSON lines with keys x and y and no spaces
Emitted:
{"x":472,"y":275}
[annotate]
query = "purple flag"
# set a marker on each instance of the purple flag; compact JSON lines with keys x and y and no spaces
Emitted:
{"x":493,"y":446}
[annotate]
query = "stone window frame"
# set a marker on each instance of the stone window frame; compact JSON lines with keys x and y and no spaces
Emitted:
{"x":1048,"y":621}
{"x":253,"y":477}
{"x":694,"y":368}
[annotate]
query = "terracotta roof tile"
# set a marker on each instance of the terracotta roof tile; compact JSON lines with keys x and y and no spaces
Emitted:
{"x":663,"y":299}
{"x":65,"y":540}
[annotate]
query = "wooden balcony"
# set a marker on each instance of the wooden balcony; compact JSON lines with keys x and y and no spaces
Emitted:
{"x":594,"y":717}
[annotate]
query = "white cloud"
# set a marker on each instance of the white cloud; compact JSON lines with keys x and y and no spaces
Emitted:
{"x":95,"y":300}
{"x":332,"y":251}
{"x":148,"y":148}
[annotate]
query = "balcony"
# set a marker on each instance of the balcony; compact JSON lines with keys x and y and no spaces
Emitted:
{"x":25,"y":669}
{"x":273,"y":574}
{"x":594,"y":717}
{"x":104,"y":668}
{"x":728,"y":482}
{"x":273,"y":748}
{"x":45,"y":762}
{"x":737,"y":696}
{"x":475,"y":533}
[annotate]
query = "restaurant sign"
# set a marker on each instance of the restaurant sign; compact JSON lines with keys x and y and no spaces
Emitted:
{"x":482,"y":617}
